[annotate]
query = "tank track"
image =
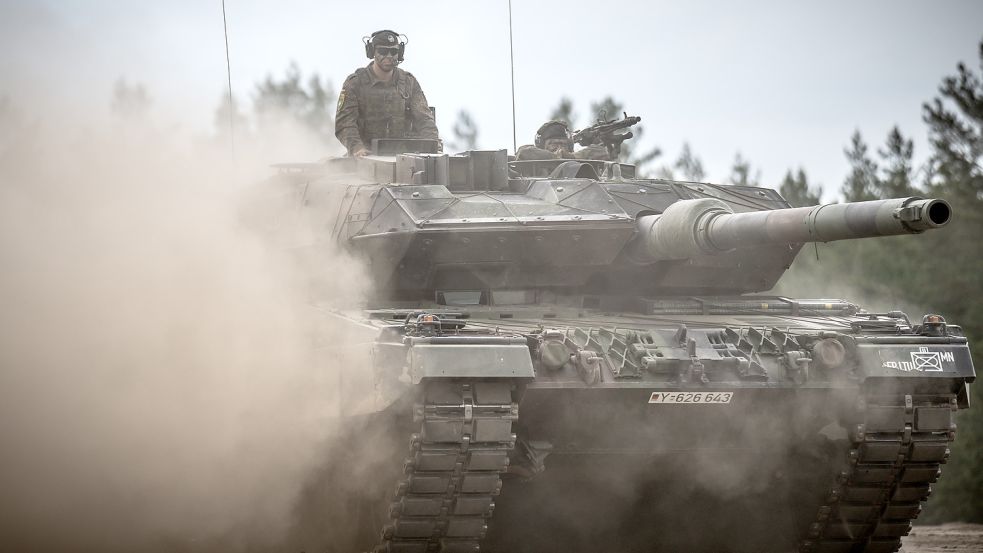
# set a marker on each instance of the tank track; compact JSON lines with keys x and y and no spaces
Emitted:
{"x":453,"y":472}
{"x":897,"y":447}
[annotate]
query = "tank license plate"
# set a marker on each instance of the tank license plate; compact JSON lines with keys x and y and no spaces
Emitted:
{"x":691,"y":397}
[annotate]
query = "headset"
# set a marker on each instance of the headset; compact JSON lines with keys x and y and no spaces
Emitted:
{"x":370,"y":48}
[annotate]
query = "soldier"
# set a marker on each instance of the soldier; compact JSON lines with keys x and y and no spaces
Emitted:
{"x":381,"y":100}
{"x":553,"y":141}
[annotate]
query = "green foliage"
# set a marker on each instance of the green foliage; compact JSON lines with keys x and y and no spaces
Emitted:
{"x":740,"y":173}
{"x":939,"y":272}
{"x":956,"y":497}
{"x":797,"y":191}
{"x":564,"y":112}
{"x":311,"y":105}
{"x":465,"y":133}
{"x":956,"y":136}
{"x":689,"y":165}
{"x":896,"y":181}
{"x":607,"y":108}
{"x":862,"y":183}
{"x":955,"y":127}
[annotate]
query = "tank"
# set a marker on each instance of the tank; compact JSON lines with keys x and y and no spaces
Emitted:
{"x":569,"y":358}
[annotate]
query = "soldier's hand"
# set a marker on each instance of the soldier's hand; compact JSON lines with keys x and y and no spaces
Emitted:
{"x":361,"y":152}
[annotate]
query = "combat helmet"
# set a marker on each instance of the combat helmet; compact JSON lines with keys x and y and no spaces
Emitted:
{"x":554,"y":128}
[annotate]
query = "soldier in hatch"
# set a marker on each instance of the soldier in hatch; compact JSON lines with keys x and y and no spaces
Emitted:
{"x":553,"y":141}
{"x":381,"y":100}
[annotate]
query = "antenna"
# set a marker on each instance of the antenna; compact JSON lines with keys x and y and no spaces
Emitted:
{"x":228,"y":68}
{"x":512,"y":69}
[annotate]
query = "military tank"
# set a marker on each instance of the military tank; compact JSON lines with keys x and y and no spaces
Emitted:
{"x":566,"y":357}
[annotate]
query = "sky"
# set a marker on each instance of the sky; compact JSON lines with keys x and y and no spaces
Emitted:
{"x":784,"y":83}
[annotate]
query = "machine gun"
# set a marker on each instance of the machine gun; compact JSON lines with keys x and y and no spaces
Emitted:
{"x":604,"y":133}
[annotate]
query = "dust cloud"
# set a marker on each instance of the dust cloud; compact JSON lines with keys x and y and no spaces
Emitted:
{"x":746,"y":477}
{"x":158,"y":386}
{"x":804,"y":280}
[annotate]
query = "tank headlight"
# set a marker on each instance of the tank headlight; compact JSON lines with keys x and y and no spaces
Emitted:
{"x":828,"y":353}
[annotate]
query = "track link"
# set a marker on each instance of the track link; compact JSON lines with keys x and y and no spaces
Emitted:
{"x":897,"y":448}
{"x":454,"y":468}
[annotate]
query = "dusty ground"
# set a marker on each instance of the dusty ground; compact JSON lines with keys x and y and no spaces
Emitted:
{"x":947,"y":538}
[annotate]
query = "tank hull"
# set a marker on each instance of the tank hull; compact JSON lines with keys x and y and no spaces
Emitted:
{"x":541,"y":428}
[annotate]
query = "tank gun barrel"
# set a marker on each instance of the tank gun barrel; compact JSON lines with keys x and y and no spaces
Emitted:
{"x":709,"y":226}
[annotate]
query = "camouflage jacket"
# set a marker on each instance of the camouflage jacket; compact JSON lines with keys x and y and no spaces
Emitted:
{"x":530,"y":152}
{"x":369,"y":108}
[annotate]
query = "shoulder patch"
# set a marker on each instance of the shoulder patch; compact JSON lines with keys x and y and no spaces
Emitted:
{"x":341,"y":101}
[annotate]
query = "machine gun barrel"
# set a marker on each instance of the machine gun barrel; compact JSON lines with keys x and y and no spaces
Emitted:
{"x":709,"y":226}
{"x":603,"y":131}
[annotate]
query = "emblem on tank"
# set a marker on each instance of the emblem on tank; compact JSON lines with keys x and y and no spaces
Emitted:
{"x":923,"y":360}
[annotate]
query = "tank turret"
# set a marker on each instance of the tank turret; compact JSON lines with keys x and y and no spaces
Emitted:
{"x":434,"y":223}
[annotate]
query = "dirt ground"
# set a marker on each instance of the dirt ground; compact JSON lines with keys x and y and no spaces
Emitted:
{"x":947,"y":538}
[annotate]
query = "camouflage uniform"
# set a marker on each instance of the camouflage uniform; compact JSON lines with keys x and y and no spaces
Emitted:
{"x":369,"y":108}
{"x":529,"y":152}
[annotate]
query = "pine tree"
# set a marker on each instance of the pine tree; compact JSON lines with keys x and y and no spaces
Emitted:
{"x":312,"y":105}
{"x":564,"y":112}
{"x":956,"y":137}
{"x":897,"y":169}
{"x":606,"y":109}
{"x":796,"y":190}
{"x":465,"y":133}
{"x":740,"y":173}
{"x":689,"y":165}
{"x":954,"y":262}
{"x":940,"y":272}
{"x":609,"y":108}
{"x":862,"y":183}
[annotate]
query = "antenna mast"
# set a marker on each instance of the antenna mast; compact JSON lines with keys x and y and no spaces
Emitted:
{"x":512,"y":69}
{"x":228,"y":69}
